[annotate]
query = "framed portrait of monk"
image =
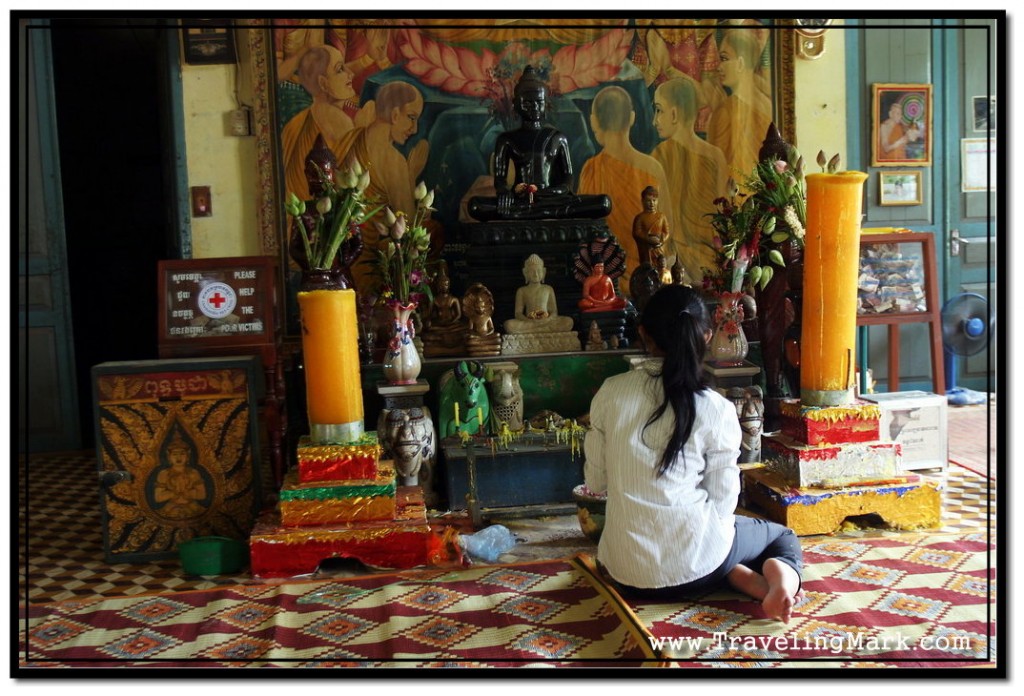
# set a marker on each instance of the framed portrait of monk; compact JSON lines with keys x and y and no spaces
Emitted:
{"x":901,"y":132}
{"x":424,"y":99}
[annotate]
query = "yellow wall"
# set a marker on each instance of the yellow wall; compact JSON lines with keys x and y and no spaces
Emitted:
{"x":821,"y":102}
{"x":224,"y":162}
{"x":227,"y":163}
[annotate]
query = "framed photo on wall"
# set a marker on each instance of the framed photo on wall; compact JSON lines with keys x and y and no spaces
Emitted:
{"x":984,"y":112}
{"x":901,"y":125}
{"x":899,"y":188}
{"x":208,"y":41}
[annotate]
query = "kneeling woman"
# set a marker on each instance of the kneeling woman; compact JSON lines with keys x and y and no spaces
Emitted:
{"x":665,"y":447}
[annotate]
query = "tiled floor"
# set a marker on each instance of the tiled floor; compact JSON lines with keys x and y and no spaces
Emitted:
{"x":61,"y":554}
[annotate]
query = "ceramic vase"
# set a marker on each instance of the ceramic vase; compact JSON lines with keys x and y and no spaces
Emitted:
{"x":729,"y":346}
{"x":402,"y":362}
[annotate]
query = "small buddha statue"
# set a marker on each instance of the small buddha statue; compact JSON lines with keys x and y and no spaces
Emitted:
{"x":478,"y":308}
{"x":599,"y":292}
{"x":594,"y":339}
{"x":444,"y":330}
{"x":536,"y":310}
{"x":661,"y":267}
{"x":321,"y":165}
{"x":537,"y":327}
{"x":679,"y":274}
{"x":542,"y":188}
{"x":650,"y":227}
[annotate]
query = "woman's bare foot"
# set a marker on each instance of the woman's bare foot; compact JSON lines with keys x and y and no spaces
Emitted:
{"x":748,"y":581}
{"x":783,"y":590}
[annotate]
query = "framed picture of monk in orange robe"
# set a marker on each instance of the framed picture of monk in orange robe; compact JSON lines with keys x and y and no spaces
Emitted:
{"x":901,"y":132}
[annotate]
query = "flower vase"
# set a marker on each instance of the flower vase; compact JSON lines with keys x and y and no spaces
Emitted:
{"x":728,"y":347}
{"x":402,"y":361}
{"x":330,"y":354}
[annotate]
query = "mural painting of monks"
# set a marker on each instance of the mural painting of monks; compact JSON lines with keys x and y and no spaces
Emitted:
{"x":675,"y":104}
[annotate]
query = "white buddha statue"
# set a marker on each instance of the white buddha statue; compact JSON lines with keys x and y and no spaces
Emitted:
{"x":536,"y":311}
{"x":537,"y":327}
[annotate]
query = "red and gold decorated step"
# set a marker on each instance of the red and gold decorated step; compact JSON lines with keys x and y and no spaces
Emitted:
{"x":817,"y":425}
{"x":406,"y":541}
{"x":331,"y":502}
{"x":356,"y":460}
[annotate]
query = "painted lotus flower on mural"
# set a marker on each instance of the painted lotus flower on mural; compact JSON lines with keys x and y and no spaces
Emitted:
{"x":491,"y":76}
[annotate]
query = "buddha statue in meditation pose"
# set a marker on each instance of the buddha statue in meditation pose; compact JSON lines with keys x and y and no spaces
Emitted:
{"x":478,"y":307}
{"x":542,"y":188}
{"x":445,"y":326}
{"x":536,"y":311}
{"x":599,"y":292}
{"x":537,"y":327}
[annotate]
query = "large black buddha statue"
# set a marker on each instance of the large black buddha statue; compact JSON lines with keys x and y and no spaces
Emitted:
{"x":543,"y":170}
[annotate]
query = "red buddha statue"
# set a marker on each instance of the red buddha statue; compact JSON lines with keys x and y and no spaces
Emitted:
{"x":599,"y":292}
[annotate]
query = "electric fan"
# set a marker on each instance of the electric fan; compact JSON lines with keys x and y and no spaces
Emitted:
{"x":967,"y":325}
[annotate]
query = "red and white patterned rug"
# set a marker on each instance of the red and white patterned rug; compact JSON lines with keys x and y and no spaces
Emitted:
{"x":550,"y":613}
{"x":910,"y":601}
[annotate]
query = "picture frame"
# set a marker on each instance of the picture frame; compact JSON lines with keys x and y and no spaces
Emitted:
{"x":983,"y":112}
{"x":901,"y":187}
{"x":901,"y":125}
{"x":218,"y":306}
{"x":208,"y":41}
{"x":978,"y":159}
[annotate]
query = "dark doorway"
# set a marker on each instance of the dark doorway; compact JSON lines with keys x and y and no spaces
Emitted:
{"x":108,"y":84}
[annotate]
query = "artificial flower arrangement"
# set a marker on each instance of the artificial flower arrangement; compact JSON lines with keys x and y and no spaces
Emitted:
{"x":338,"y":212}
{"x":401,"y":262}
{"x":751,"y":224}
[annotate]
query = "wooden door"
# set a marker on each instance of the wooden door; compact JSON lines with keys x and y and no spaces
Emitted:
{"x":48,"y":400}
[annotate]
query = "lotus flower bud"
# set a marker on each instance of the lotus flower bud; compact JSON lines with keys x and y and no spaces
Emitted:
{"x":364,"y":181}
{"x":421,"y":191}
{"x":821,"y":159}
{"x":398,"y":229}
{"x":731,"y":188}
{"x":776,"y":257}
{"x":323,"y":206}
{"x":349,"y":179}
{"x":389,"y":216}
{"x":294,"y":205}
{"x":833,"y":164}
{"x":357,"y":168}
{"x":769,"y":226}
{"x":429,"y":199}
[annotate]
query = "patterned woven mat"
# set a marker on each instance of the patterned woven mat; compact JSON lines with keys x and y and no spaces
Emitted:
{"x":550,"y":613}
{"x":917,"y":600}
{"x":61,"y":535}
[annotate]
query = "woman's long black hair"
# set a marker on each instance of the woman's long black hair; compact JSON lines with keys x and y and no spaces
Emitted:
{"x":676,"y":319}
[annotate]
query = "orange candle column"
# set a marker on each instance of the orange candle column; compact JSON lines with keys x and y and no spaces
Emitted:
{"x":330,"y":350}
{"x":831,"y":262}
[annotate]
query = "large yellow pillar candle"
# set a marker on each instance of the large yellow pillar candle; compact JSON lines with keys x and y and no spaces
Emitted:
{"x":831,"y":261}
{"x":330,"y":352}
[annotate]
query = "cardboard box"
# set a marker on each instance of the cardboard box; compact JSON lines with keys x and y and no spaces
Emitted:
{"x":916,"y":420}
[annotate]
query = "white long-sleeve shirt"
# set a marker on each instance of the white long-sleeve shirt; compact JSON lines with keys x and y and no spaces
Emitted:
{"x":669,"y":530}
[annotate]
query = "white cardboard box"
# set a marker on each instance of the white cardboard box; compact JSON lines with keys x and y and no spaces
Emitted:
{"x":916,"y":420}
